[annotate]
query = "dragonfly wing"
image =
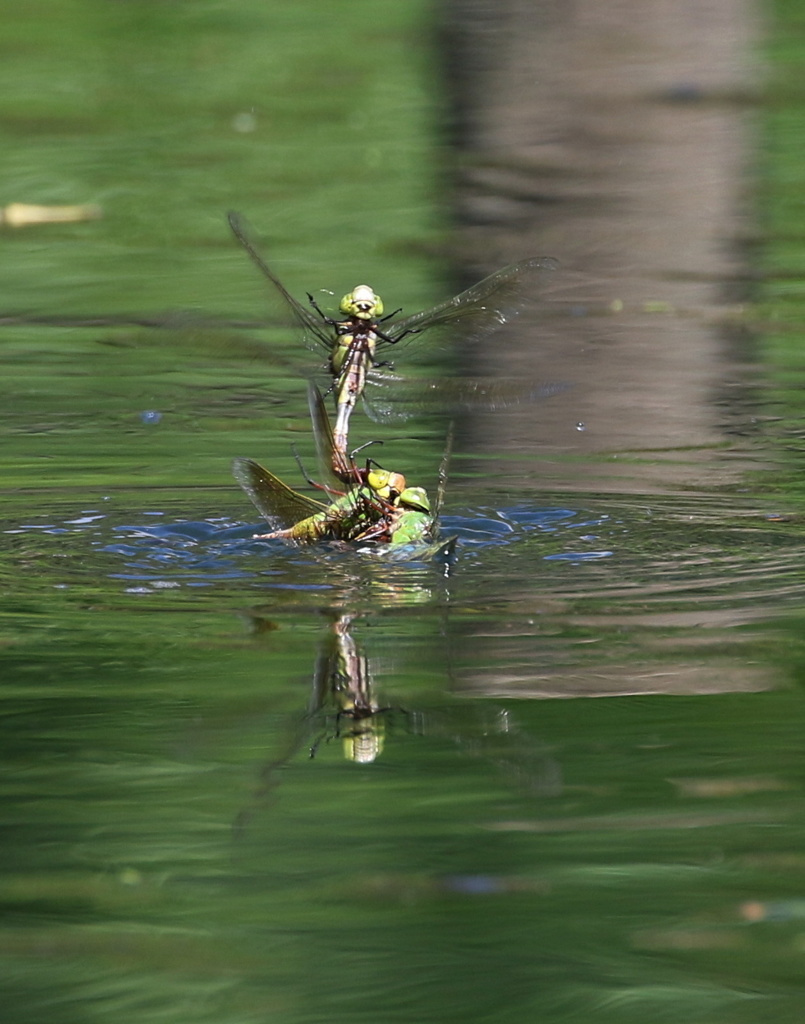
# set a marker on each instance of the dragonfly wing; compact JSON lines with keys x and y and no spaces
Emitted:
{"x":391,"y":399}
{"x":314,"y":327}
{"x":278,"y":503}
{"x":484,"y":393}
{"x":384,"y":398}
{"x":484,"y":307}
{"x":444,"y":468}
{"x":325,"y":441}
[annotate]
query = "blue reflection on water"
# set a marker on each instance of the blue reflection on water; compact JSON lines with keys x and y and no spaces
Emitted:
{"x":202,"y":552}
{"x":474,"y":885}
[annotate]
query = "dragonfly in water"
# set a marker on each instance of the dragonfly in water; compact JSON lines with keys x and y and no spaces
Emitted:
{"x":411,"y":520}
{"x":342,"y":680}
{"x":377,"y":506}
{"x":354,"y":339}
{"x":343,"y":705}
{"x":360,"y":514}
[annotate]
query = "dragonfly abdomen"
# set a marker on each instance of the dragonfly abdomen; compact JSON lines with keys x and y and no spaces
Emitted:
{"x":350,"y":362}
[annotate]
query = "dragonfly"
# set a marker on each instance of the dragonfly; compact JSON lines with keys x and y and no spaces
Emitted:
{"x":360,"y":514}
{"x":343,"y":705}
{"x":356,"y":338}
{"x":377,"y":506}
{"x":297,"y":517}
{"x":411,"y":520}
{"x":343,"y":680}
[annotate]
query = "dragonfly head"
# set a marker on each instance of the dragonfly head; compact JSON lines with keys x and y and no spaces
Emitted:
{"x":362,"y":303}
{"x":386,"y":484}
{"x":415,"y":498}
{"x":364,"y":745}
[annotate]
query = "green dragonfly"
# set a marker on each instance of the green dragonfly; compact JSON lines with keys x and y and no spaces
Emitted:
{"x":413,"y":523}
{"x":343,"y":705}
{"x":342,"y":679}
{"x":411,"y":519}
{"x":354,"y":340}
{"x":295,"y":516}
{"x":358,"y":515}
{"x":377,"y":506}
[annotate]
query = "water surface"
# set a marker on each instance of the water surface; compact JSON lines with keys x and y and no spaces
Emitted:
{"x":197,"y":824}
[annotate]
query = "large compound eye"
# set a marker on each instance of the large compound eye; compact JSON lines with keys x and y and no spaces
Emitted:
{"x":415,"y":498}
{"x":362,"y":302}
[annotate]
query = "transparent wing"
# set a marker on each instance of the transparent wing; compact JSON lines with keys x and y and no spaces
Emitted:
{"x":481,"y":309}
{"x":317,"y":332}
{"x":390,"y":398}
{"x":278,"y":503}
{"x":444,"y":468}
{"x":323,"y":436}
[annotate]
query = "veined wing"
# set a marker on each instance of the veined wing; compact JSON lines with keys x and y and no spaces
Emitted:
{"x":325,"y":441}
{"x":444,"y":469}
{"x":314,"y":327}
{"x":391,"y":398}
{"x":477,"y":312}
{"x":278,"y":503}
{"x":481,"y":309}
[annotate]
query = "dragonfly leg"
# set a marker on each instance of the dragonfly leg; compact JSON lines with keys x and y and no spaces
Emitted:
{"x":380,"y":531}
{"x":327,"y":319}
{"x":360,"y":448}
{"x":315,"y":746}
{"x":384,"y":337}
{"x":393,"y":341}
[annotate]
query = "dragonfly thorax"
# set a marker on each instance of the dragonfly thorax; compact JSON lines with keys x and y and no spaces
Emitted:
{"x":362,"y":303}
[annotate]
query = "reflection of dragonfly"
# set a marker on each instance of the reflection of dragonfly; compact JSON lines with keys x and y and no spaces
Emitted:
{"x":342,"y":706}
{"x":345,"y":705}
{"x":342,"y":681}
{"x":353,"y":340}
{"x":378,"y":504}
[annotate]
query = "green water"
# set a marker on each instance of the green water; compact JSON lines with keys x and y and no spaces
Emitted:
{"x":171,"y":851}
